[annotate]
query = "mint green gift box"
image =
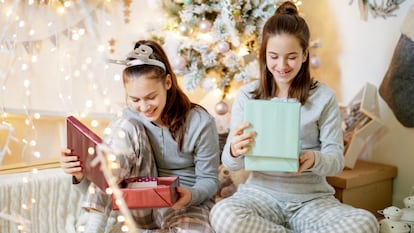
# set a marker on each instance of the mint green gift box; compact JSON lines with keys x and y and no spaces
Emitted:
{"x":277,"y":143}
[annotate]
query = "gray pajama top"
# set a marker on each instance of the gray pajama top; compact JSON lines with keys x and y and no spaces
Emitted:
{"x":197,"y":163}
{"x":320,"y":132}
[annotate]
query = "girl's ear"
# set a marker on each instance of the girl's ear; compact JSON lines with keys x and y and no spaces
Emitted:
{"x":168,"y":82}
{"x":305,"y":55}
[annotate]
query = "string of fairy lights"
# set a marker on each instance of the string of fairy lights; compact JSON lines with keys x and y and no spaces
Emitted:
{"x":28,"y":44}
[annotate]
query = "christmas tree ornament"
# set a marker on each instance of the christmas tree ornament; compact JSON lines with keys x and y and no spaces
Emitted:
{"x":179,"y":63}
{"x":223,"y":46}
{"x":315,"y":61}
{"x":221,"y":107}
{"x":184,"y":29}
{"x":237,"y":15}
{"x":204,"y":26}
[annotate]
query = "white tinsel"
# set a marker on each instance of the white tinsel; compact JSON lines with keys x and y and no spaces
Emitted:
{"x":192,"y":78}
{"x":231,"y":60}
{"x":209,"y":59}
{"x":187,"y":14}
{"x":208,"y":84}
{"x":249,"y":72}
{"x":220,"y":30}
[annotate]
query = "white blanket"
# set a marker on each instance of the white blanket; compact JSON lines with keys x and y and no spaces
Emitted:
{"x":53,"y":203}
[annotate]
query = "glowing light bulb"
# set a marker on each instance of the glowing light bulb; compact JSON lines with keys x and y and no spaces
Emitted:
{"x":33,"y":143}
{"x":89,"y":103}
{"x":26,"y":83}
{"x":107,"y":131}
{"x":112,"y":157}
{"x":124,"y":228}
{"x":91,"y":150}
{"x":108,"y":191}
{"x":101,"y":48}
{"x":94,"y":123}
{"x":61,"y":10}
{"x":67,"y":4}
{"x":75,"y":36}
{"x":36,"y":154}
{"x":120,"y":218}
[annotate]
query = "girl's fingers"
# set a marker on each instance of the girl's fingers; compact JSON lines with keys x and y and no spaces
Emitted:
{"x":69,"y":158}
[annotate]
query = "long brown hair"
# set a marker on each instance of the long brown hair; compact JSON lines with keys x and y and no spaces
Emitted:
{"x":285,"y":20}
{"x":178,"y":104}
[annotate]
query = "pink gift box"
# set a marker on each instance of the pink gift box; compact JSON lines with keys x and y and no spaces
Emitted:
{"x":80,"y":139}
{"x":163,"y":195}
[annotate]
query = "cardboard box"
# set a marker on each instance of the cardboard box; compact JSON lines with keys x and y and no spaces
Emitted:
{"x":163,"y":195}
{"x":368,"y":185}
{"x":277,"y":143}
{"x":361,"y":122}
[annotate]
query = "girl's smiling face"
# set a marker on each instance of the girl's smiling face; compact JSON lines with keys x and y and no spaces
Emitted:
{"x":284,"y":58}
{"x":148,"y":96}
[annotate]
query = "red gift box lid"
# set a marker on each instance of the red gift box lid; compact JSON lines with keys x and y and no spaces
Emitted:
{"x":81,"y":140}
{"x":163,"y":195}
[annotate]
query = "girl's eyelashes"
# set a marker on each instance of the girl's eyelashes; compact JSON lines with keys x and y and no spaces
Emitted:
{"x":147,"y":98}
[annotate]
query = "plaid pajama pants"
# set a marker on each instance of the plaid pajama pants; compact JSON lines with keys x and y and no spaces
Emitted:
{"x":192,"y":219}
{"x":253,"y":210}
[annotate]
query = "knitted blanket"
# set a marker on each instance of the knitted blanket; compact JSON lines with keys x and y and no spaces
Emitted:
{"x":47,"y":200}
{"x":397,"y":87}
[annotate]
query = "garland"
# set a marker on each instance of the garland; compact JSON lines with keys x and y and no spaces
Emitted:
{"x":384,"y":9}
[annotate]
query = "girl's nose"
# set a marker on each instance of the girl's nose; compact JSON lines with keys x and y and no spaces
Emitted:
{"x":283,"y":62}
{"x":144,"y":106}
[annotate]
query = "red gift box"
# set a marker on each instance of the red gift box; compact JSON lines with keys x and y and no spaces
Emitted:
{"x":163,"y":195}
{"x":82,"y":141}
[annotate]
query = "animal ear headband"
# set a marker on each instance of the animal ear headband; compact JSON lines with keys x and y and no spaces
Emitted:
{"x":139,"y":56}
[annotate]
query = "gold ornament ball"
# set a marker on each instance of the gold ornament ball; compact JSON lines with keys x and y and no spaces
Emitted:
{"x":236,"y":13}
{"x":184,"y":29}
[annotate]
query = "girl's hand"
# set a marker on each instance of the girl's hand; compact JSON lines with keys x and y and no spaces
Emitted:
{"x":306,"y":161}
{"x":185,"y":198}
{"x":71,"y":164}
{"x":240,"y":141}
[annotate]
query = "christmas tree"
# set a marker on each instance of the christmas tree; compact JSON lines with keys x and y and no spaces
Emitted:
{"x":212,"y":43}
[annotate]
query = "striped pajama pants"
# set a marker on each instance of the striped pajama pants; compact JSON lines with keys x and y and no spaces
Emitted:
{"x":252,"y":210}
